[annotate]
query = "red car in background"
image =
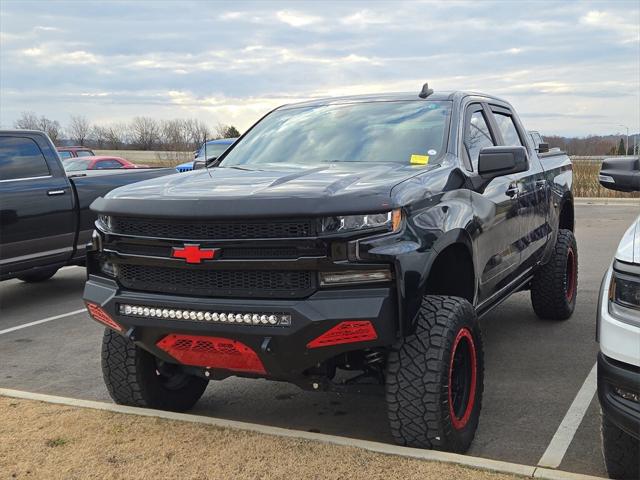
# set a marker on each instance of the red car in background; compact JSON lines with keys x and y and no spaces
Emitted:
{"x":98,"y":163}
{"x":73,"y":152}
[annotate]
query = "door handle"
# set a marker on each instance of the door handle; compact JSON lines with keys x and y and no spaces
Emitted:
{"x":512,"y":191}
{"x":53,"y":193}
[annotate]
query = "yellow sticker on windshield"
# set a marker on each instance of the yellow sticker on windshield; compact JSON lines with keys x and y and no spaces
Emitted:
{"x":419,"y":159}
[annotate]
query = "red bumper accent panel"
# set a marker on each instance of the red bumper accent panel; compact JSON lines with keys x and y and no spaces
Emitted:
{"x":346,"y":332}
{"x":212,"y":352}
{"x":98,"y":314}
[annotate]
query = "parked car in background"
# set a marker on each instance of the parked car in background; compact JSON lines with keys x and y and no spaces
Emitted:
{"x":98,"y":163}
{"x":346,"y":244}
{"x":214,"y":149}
{"x":72,"y":152}
{"x":618,"y":332}
{"x":44,"y":212}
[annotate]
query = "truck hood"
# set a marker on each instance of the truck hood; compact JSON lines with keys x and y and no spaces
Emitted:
{"x":235,"y":192}
{"x":629,"y":248}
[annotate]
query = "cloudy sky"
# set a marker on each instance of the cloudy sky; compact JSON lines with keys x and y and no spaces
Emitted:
{"x":569,"y":68}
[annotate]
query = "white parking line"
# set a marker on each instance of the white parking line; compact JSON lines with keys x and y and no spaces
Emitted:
{"x":38,"y":322}
{"x":553,"y":455}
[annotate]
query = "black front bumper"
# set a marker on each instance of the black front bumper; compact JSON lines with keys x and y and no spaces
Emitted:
{"x":282,"y":349}
{"x":623,"y":413}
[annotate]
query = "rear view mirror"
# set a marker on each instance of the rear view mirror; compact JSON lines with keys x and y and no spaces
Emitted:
{"x":621,"y":174}
{"x":498,"y":161}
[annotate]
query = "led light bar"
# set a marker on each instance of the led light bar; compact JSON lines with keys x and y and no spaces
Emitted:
{"x":247,"y":318}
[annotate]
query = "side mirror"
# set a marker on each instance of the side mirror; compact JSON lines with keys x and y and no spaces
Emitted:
{"x":543,"y":148}
{"x":621,"y":174}
{"x":198,"y":164}
{"x":498,"y":161}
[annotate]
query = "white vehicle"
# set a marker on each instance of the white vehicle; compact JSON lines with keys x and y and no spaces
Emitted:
{"x":618,"y":332}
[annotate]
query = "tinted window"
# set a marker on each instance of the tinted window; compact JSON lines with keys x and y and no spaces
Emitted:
{"x":507,"y":129}
{"x":75,"y":165}
{"x":213,"y":151}
{"x":64,"y":155}
{"x":84,"y":153}
{"x":477,"y":136}
{"x":21,"y":158}
{"x":103,"y":164}
{"x":376,"y":132}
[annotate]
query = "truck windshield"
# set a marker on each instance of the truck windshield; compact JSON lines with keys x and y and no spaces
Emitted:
{"x":402,"y":132}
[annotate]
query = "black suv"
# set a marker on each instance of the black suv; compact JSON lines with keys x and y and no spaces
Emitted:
{"x":340,"y":244}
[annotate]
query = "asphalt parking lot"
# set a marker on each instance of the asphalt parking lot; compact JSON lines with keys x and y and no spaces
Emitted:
{"x":534,"y":369}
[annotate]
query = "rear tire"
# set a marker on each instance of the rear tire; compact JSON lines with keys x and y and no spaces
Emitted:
{"x":621,"y":452}
{"x":39,"y":276}
{"x":133,"y":377}
{"x":434,"y":379}
{"x":555,"y":284}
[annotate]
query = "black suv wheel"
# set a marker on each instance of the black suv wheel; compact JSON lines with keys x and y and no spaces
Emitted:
{"x":135,"y":377}
{"x":555,"y":285}
{"x":434,"y":379}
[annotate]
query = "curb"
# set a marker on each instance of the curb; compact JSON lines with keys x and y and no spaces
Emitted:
{"x":606,"y":201}
{"x":377,"y":447}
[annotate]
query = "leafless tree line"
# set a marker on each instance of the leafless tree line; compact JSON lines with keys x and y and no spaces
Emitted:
{"x":141,"y":133}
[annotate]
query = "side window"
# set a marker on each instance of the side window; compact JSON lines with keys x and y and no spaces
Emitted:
{"x":477,"y":136}
{"x":104,"y":164}
{"x":507,"y":129}
{"x":20,"y":157}
{"x":64,"y":155}
{"x":84,"y":153}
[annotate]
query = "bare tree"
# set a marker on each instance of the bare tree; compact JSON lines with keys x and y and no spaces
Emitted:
{"x":145,"y":132}
{"x":79,"y":129}
{"x":226,"y":131}
{"x":117,"y":135}
{"x":30,"y":121}
{"x":100,"y":135}
{"x":27,"y":121}
{"x":198,"y":132}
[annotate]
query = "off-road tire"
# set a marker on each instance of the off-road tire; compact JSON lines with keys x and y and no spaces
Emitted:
{"x":132,"y":377}
{"x":39,"y":276}
{"x":419,"y":373}
{"x":555,"y":284}
{"x":621,"y":452}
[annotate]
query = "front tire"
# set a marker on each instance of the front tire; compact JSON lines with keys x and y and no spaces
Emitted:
{"x":134,"y":377}
{"x":434,"y":379}
{"x":555,"y":284}
{"x":621,"y":452}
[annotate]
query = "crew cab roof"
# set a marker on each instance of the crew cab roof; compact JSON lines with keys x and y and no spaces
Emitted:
{"x":389,"y":97}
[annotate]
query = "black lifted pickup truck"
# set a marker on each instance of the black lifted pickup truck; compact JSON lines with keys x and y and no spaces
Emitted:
{"x":345,"y":244}
{"x":45,"y":221}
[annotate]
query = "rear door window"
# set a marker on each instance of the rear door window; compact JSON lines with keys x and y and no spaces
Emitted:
{"x":507,"y":129}
{"x":21,"y":158}
{"x":84,"y":153}
{"x":105,"y":164}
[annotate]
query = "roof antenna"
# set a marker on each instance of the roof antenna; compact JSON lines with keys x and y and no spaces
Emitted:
{"x":426,"y":91}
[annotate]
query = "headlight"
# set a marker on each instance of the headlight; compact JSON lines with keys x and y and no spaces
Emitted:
{"x":625,"y":290}
{"x":105,"y":222}
{"x":390,"y":221}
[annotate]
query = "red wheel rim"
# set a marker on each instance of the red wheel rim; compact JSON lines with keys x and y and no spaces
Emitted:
{"x":462,"y":379}
{"x":571,"y":275}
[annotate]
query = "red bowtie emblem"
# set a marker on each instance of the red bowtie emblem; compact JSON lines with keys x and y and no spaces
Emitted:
{"x":194,"y":254}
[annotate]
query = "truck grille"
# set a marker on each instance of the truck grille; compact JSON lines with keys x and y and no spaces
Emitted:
{"x":217,"y":283}
{"x":205,"y":230}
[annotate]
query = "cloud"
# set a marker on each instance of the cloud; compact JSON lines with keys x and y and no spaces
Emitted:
{"x":233,"y":63}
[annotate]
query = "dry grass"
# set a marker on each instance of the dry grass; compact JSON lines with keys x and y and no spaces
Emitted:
{"x":45,"y":441}
{"x":586,"y":184}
